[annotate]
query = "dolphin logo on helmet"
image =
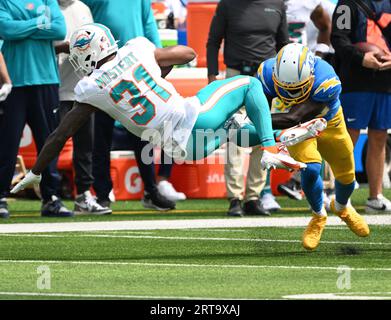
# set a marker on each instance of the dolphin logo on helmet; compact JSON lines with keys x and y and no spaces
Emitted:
{"x":83,"y":41}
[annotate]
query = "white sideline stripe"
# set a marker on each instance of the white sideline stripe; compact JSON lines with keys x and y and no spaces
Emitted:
{"x":216,"y":96}
{"x":183,"y":265}
{"x":337,"y":296}
{"x":108,"y":296}
{"x":178,"y":224}
{"x":186,"y":238}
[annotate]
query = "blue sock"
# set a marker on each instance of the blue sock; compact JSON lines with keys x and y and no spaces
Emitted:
{"x":312,"y":184}
{"x":343,"y":192}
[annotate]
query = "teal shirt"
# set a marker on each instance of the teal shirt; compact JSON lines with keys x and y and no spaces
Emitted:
{"x":127,"y":19}
{"x":28,"y":40}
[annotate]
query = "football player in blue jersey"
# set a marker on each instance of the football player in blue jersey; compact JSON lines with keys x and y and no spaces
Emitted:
{"x":307,"y":87}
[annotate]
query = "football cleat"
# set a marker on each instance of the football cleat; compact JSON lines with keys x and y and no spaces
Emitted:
{"x":167,"y":190}
{"x":280,"y":161}
{"x":378,"y":205}
{"x":4,"y":213}
{"x":86,"y":204}
{"x":313,"y":232}
{"x":269,"y":203}
{"x":302,"y":132}
{"x":54,"y":208}
{"x":354,"y":221}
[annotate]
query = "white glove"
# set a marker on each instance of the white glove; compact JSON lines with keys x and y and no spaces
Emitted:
{"x":5,"y":90}
{"x":28,"y":180}
{"x":302,"y":132}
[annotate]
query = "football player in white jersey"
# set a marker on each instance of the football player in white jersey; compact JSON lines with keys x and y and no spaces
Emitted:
{"x":300,"y":14}
{"x":127,"y":84}
{"x":313,"y":31}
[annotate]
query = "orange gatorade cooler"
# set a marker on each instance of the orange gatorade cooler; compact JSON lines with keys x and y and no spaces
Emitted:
{"x":277,"y":177}
{"x":188,"y":81}
{"x":127,"y":183}
{"x":199,"y":17}
{"x":200,"y":179}
{"x":204,"y":178}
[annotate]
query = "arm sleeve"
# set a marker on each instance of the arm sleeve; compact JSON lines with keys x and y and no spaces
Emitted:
{"x":282,"y":38}
{"x":52,"y":24}
{"x":340,"y":37}
{"x":150,"y":28}
{"x":11,"y":29}
{"x":215,"y":37}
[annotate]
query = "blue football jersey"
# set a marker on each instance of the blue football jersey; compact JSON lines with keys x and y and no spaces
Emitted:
{"x":326,"y":89}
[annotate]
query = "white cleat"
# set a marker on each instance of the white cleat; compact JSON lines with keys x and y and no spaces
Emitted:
{"x":280,"y":161}
{"x":378,"y":205}
{"x":269,"y":203}
{"x":302,"y":132}
{"x":167,"y":190}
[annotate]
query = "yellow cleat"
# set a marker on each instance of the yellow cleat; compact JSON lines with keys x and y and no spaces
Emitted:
{"x":354,"y":221}
{"x":313,"y":232}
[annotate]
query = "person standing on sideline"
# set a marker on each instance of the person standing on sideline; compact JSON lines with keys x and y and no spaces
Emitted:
{"x":28,"y":29}
{"x":366,"y":79}
{"x":253,"y":31}
{"x":76,"y":14}
{"x":5,"y":90}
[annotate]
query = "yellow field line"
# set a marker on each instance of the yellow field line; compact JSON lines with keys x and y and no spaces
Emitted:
{"x":172,"y":212}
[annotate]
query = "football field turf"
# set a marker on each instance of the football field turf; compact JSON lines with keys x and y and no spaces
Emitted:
{"x":217,"y":258}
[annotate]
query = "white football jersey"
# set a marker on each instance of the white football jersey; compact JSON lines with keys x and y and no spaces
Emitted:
{"x":298,"y":14}
{"x":131,"y":90}
{"x":312,"y":31}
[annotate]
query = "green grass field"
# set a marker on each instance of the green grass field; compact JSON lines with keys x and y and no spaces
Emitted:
{"x":210,"y":263}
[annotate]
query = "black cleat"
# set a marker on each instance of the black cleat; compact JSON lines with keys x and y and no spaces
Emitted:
{"x":55,"y":209}
{"x":292,"y":189}
{"x":157,"y":201}
{"x":235,"y":208}
{"x":4,"y":213}
{"x":254,"y":207}
{"x":105,"y":203}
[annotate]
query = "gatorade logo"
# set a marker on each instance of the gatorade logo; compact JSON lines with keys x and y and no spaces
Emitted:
{"x":133,"y":182}
{"x":215,"y":178}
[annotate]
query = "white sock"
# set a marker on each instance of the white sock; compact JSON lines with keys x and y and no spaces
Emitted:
{"x":338,"y":206}
{"x":322,"y":212}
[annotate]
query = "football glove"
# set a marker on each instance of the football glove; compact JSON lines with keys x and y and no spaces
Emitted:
{"x":5,"y":90}
{"x":280,"y":160}
{"x":28,"y":180}
{"x":302,"y":132}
